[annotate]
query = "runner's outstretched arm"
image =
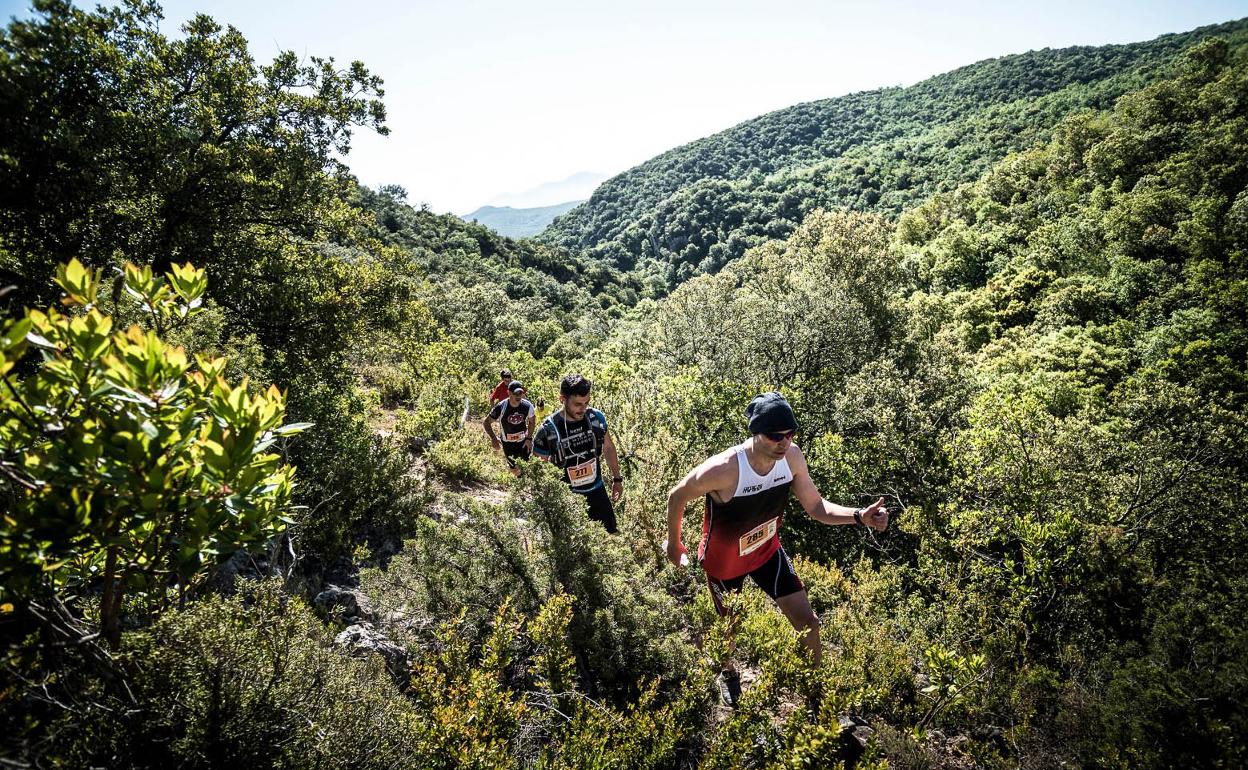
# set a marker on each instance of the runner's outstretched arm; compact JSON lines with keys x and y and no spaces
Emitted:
{"x":825,"y":512}
{"x":613,"y":462}
{"x":702,"y":480}
{"x":487,"y":423}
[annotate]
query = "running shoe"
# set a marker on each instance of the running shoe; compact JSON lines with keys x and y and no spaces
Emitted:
{"x":729,"y":688}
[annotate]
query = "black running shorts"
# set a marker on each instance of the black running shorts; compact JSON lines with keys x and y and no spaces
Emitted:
{"x":600,"y":508}
{"x":776,"y":577}
{"x":513,"y":451}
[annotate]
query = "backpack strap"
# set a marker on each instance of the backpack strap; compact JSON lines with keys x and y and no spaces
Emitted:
{"x":558,"y":437}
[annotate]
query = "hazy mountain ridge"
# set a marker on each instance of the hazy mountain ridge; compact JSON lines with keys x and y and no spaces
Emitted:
{"x":577,"y":187}
{"x":519,"y":222}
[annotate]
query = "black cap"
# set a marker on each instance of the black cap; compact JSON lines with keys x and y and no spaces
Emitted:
{"x":770,"y":413}
{"x":515,"y":386}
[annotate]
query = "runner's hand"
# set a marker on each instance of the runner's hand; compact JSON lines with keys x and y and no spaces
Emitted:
{"x":875,"y":516}
{"x":676,"y":553}
{"x":617,"y":491}
{"x":497,"y":445}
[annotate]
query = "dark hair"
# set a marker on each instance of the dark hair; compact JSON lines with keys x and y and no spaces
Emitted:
{"x":574,"y":385}
{"x":505,"y":373}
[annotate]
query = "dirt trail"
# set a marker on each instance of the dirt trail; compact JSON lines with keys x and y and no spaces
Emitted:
{"x":385,"y":423}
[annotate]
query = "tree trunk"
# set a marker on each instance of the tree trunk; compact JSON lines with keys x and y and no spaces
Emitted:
{"x":110,"y":602}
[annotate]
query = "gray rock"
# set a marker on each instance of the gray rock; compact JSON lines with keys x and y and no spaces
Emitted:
{"x":346,"y":603}
{"x":362,"y":639}
{"x":856,"y":729}
{"x":388,"y":548}
{"x":406,"y":622}
{"x":240,"y":565}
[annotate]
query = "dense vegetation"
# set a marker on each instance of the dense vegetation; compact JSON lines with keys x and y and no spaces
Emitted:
{"x":693,"y":209}
{"x":1043,"y":369}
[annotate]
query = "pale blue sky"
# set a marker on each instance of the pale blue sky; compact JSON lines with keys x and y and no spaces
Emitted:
{"x":492,"y":97}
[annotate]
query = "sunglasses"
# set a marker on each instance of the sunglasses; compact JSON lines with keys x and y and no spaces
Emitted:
{"x":778,"y":437}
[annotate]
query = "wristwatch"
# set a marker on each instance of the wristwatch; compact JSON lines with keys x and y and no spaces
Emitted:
{"x":617,"y":479}
{"x":858,"y":517}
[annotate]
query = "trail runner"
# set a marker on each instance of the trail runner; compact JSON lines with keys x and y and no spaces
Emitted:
{"x":576,"y":440}
{"x":515,"y":417}
{"x":746,"y":488}
{"x":500,"y":390}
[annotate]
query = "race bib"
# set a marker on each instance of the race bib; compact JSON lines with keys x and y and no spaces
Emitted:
{"x":512,"y":438}
{"x":584,"y":474}
{"x":756,"y":538}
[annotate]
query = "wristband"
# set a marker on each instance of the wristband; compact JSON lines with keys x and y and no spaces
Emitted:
{"x":617,"y":479}
{"x":858,"y":517}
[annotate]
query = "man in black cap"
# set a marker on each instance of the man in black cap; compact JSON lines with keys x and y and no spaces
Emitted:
{"x":515,"y":417}
{"x":746,"y":488}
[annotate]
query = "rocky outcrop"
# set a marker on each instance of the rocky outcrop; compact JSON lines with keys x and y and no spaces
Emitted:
{"x":346,"y":605}
{"x":362,"y":639}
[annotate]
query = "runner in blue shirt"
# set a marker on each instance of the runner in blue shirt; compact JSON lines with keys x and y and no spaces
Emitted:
{"x":576,"y":440}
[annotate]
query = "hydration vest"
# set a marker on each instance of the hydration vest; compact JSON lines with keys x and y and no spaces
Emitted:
{"x":576,"y":447}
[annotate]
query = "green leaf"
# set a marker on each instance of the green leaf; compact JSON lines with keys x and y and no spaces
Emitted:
{"x":16,"y":333}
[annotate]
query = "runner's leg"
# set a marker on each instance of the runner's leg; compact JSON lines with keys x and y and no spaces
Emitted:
{"x":729,"y":679}
{"x":779,"y":580}
{"x":600,"y":508}
{"x":511,"y":451}
{"x":796,"y":607}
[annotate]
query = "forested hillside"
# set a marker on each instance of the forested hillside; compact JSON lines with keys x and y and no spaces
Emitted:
{"x":694,"y":208}
{"x":245,"y":523}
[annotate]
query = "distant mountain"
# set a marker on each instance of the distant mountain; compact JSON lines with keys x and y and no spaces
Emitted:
{"x":516,"y":222}
{"x":579,"y":186}
{"x":697,"y":207}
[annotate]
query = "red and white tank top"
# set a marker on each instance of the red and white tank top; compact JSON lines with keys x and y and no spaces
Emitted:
{"x":739,"y":536}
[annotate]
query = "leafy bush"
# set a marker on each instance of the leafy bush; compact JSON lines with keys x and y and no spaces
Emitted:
{"x":123,"y":461}
{"x":253,"y":680}
{"x":625,"y":628}
{"x":466,"y":456}
{"x":249,"y":681}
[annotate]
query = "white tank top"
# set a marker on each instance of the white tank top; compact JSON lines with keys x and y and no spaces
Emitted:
{"x":750,"y":483}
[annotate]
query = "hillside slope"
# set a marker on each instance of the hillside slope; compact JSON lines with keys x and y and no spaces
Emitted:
{"x":694,"y":208}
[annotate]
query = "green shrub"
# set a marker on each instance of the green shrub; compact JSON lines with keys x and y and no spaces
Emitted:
{"x":248,"y":681}
{"x":354,"y":483}
{"x":125,"y":463}
{"x":466,"y":456}
{"x":625,"y":628}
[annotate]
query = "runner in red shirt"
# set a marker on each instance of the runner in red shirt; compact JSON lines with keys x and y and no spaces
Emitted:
{"x":746,"y":489}
{"x":500,"y":392}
